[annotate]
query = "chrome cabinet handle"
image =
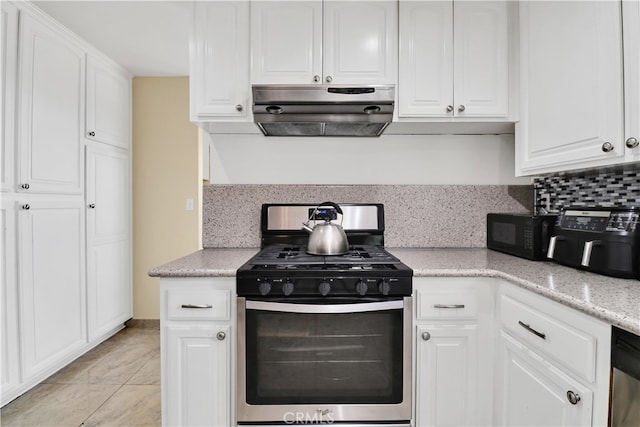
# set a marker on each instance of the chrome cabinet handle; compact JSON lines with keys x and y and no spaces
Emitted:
{"x":197,"y":306}
{"x":574,"y":398}
{"x":221,"y":336}
{"x":607,"y":147}
{"x":632,"y":142}
{"x":239,"y":107}
{"x":533,"y":331}
{"x":426,"y":336}
{"x":92,"y":133}
{"x":329,"y":79}
{"x":26,"y":207}
{"x":448,"y":305}
{"x":316,"y":78}
{"x":461,"y":108}
{"x":92,"y":206}
{"x":25,"y":186}
{"x":449,"y":108}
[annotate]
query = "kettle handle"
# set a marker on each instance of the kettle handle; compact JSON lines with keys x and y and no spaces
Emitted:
{"x":333,"y":205}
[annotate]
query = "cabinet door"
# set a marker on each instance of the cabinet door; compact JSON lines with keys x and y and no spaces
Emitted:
{"x":198,"y":376}
{"x":286,"y":42}
{"x":534,"y":392}
{"x":52,"y":286}
{"x":360,"y":42}
{"x":219,"y":68}
{"x":9,"y":358}
{"x":108,"y":104}
{"x":631,"y":33}
{"x":426,"y":59}
{"x":481,"y":58}
{"x":9,"y":41}
{"x":446,"y":375}
{"x":571,"y":86}
{"x":108,"y":208}
{"x":51,"y":110}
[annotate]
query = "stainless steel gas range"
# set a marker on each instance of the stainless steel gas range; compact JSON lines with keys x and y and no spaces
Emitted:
{"x":324,"y":339}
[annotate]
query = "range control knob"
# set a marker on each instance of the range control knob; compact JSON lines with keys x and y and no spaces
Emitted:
{"x":361,"y":288}
{"x":287,"y":288}
{"x":384,"y":287}
{"x":264,"y":287}
{"x":324,"y":288}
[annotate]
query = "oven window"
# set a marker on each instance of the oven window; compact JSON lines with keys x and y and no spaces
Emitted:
{"x":301,"y":358}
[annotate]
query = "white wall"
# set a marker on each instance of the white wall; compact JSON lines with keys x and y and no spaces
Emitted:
{"x":389,"y":159}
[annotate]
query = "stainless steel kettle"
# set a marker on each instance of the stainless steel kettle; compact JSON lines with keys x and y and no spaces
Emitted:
{"x":326,"y":237}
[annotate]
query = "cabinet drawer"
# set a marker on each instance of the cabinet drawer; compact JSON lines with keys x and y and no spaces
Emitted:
{"x":572,"y":347}
{"x":206,"y":304}
{"x":446,"y":304}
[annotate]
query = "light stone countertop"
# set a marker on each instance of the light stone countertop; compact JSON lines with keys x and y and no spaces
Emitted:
{"x":616,"y":301}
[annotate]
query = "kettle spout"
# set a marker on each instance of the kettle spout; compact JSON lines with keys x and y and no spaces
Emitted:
{"x":306,"y":227}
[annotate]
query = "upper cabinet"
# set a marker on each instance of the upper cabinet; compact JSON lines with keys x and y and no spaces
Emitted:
{"x":9,"y":43}
{"x":631,"y":43}
{"x":329,"y":42}
{"x":454,"y":59}
{"x":219,"y":61}
{"x":108,"y":100}
{"x":571,"y":86}
{"x":51,"y":108}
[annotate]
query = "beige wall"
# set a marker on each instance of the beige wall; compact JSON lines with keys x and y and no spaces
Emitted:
{"x":166,"y":172}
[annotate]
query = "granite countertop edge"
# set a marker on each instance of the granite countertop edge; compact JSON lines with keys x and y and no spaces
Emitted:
{"x":535,"y":276}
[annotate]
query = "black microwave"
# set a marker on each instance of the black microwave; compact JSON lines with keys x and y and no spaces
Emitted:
{"x":523,"y":235}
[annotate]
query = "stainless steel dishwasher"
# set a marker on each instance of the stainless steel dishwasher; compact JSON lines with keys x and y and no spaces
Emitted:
{"x":625,"y":379}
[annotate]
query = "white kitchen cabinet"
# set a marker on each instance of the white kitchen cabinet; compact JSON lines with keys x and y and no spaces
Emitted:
{"x":330,"y":42}
{"x":108,"y":207}
{"x":219,"y":62}
{"x":631,"y":42}
{"x":52,"y":283}
{"x":108,"y":111}
{"x":9,"y":41}
{"x":51,"y":109}
{"x":197,"y":323}
{"x":9,"y":339}
{"x":535,"y":391}
{"x":552,"y":363}
{"x":571,"y":86}
{"x":453,"y":318}
{"x":454,"y":59}
{"x":286,"y":42}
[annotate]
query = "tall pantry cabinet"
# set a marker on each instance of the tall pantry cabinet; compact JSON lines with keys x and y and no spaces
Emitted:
{"x":66,"y":245}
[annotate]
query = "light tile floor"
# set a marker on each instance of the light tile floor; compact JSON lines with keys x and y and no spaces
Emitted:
{"x":115,"y":384}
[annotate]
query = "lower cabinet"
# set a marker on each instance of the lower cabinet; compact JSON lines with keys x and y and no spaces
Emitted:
{"x":197,"y":321}
{"x":52,"y":284}
{"x":538,"y":393}
{"x":107,"y":199}
{"x":453,"y":318}
{"x":552,"y":363}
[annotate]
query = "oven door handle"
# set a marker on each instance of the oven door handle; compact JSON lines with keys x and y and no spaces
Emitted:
{"x":324,"y":308}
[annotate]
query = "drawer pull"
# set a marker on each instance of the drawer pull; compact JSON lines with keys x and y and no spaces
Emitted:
{"x":221,"y":336}
{"x":426,"y":336}
{"x":533,"y":331}
{"x":197,"y":306}
{"x":448,"y":306}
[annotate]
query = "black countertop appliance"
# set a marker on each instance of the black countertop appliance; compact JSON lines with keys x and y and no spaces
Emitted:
{"x":600,"y":240}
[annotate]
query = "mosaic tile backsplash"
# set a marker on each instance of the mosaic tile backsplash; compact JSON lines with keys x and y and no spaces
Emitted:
{"x":609,"y":188}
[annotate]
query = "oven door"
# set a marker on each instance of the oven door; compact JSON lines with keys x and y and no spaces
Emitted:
{"x":324,"y":360}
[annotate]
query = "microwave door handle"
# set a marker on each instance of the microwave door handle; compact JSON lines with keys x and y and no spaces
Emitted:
{"x":285,"y":307}
{"x":552,"y":246}
{"x":586,"y":252}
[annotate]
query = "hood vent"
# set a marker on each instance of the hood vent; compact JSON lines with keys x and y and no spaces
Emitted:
{"x":323,"y":110}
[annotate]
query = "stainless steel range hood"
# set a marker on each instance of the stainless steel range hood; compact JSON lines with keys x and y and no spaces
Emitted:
{"x":323,"y":110}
